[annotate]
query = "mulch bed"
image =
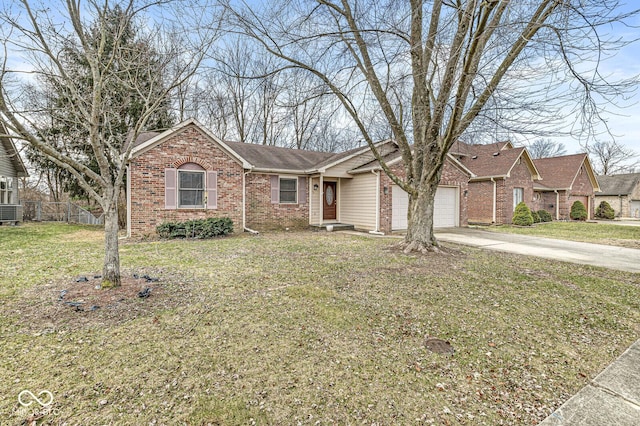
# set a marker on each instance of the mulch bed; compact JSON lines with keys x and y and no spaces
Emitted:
{"x":81,"y":302}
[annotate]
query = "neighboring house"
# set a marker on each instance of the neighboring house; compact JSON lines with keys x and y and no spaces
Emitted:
{"x":565,"y":180}
{"x":11,"y":168}
{"x":622,"y":192}
{"x":187,"y":172}
{"x":503,"y":176}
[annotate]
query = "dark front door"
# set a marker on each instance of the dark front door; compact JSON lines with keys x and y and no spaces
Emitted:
{"x":329,"y":201}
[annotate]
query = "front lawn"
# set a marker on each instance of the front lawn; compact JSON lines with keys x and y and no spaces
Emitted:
{"x":308,"y":328}
{"x":589,"y":232}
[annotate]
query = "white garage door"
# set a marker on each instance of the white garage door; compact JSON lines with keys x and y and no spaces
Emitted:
{"x":445,"y":210}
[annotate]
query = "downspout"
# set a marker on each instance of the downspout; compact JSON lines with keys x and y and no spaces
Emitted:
{"x":377,"y":230}
{"x":495,"y":197}
{"x":128,"y":201}
{"x":557,"y":204}
{"x":244,"y":204}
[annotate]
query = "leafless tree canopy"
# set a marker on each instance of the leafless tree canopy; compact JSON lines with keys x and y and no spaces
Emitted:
{"x":610,"y":158}
{"x":544,"y":148}
{"x":430,"y":71}
{"x":43,"y":35}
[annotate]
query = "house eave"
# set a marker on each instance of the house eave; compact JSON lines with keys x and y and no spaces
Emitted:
{"x":547,"y":189}
{"x":481,"y":178}
{"x":282,"y":171}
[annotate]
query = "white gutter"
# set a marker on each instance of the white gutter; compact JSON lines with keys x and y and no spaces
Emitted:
{"x":282,"y":171}
{"x":495,"y":197}
{"x":377,"y":230}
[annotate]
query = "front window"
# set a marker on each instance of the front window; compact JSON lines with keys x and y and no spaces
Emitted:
{"x":190,"y":189}
{"x":288,"y":190}
{"x":518,"y":196}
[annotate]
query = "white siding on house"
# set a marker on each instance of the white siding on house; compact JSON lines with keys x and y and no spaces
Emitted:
{"x":357,"y":201}
{"x":314,"y":202}
{"x":6,"y":168}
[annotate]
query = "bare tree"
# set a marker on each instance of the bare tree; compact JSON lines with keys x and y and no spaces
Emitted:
{"x":46,"y":38}
{"x":610,"y":158}
{"x":459,"y":60}
{"x":544,"y":148}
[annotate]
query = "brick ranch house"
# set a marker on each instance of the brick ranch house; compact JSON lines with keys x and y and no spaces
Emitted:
{"x":565,"y":180}
{"x":505,"y":175}
{"x":187,"y":172}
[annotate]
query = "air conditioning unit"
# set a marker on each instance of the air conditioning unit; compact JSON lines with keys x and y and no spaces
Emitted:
{"x":10,"y":213}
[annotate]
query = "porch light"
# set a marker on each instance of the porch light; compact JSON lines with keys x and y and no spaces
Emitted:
{"x":315,"y":186}
{"x":385,"y":190}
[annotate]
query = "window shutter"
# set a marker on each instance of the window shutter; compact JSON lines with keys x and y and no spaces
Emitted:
{"x":275,"y":189}
{"x":212,"y":190}
{"x":302,"y":190}
{"x":170,"y":192}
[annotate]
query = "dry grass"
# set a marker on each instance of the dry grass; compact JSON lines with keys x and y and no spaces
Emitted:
{"x":309,"y":328}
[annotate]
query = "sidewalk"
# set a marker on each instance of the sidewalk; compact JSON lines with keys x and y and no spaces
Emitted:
{"x":612,"y":398}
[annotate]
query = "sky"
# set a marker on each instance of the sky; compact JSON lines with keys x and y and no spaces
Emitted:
{"x":623,"y":120}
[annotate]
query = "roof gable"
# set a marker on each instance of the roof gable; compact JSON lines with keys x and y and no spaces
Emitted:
{"x":11,"y":152}
{"x":149,"y":140}
{"x":561,"y":172}
{"x":495,"y":160}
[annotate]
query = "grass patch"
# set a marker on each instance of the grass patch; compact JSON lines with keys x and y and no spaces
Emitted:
{"x":307,"y":327}
{"x":589,"y":232}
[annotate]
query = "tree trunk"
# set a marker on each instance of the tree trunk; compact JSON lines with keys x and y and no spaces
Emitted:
{"x":420,"y":235}
{"x":111,"y":268}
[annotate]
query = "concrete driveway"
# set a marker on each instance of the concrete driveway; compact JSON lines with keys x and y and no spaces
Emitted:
{"x":620,"y":258}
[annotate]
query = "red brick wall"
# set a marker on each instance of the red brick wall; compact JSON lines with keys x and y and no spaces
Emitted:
{"x":451,"y":176}
{"x":481,"y":196}
{"x":480,"y":201}
{"x":146,"y":175}
{"x":520,"y":177}
{"x":582,"y":190}
{"x":263,"y":215}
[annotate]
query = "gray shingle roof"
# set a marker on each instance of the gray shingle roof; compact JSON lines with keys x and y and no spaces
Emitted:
{"x":268,"y":157}
{"x":618,"y":184}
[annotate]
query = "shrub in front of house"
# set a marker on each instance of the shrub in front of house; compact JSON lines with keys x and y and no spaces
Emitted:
{"x":522,"y":215}
{"x":604,"y":211}
{"x":535,"y":216}
{"x":198,"y":228}
{"x":578,"y":211}
{"x":544,"y":216}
